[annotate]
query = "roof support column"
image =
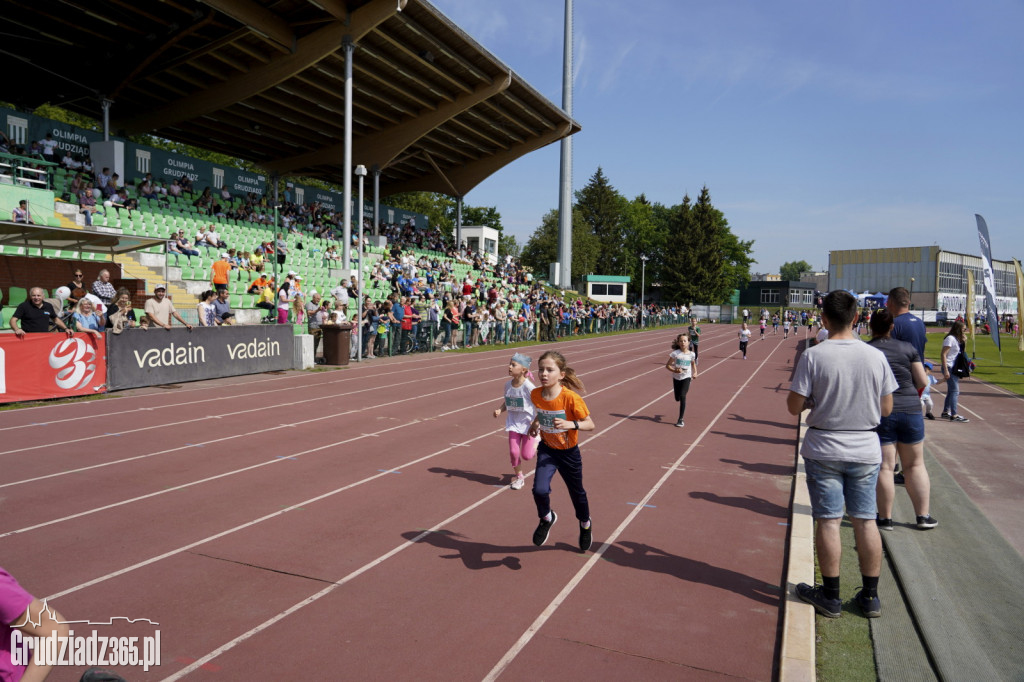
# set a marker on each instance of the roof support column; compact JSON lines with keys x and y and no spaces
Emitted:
{"x":565,"y":173}
{"x":458,"y":222}
{"x":346,"y":249}
{"x":376,"y":200}
{"x":106,"y":118}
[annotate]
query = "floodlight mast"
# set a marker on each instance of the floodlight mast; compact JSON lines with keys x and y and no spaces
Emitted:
{"x":565,"y":173}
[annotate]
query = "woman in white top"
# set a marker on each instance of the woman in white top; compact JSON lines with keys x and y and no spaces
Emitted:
{"x":951,"y":346}
{"x":205,"y":310}
{"x":521,"y":412}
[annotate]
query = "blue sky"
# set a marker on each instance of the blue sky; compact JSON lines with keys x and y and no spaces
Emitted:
{"x":816,"y":126}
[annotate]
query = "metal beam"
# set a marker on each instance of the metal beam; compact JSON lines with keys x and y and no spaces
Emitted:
{"x":382,"y":147}
{"x":258,"y":19}
{"x":309,"y":51}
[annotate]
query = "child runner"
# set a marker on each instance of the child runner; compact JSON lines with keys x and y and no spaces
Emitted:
{"x":764,"y":326}
{"x":561,"y":414}
{"x":681,"y":364}
{"x":694,"y":332}
{"x":517,"y":402}
{"x":785,"y":328}
{"x":775,"y":325}
{"x":744,"y":338}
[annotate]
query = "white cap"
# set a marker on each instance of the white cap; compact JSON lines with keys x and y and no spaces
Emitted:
{"x":225,"y":255}
{"x":298,"y":278}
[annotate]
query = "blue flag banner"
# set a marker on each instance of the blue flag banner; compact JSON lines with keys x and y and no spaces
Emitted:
{"x":990,"y":281}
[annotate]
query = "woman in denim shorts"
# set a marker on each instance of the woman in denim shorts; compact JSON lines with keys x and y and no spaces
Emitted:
{"x":902,"y":432}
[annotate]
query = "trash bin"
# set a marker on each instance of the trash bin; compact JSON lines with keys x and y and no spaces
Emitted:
{"x":337,"y":338}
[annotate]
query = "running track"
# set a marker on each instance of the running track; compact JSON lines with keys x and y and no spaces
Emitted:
{"x":357,"y":524}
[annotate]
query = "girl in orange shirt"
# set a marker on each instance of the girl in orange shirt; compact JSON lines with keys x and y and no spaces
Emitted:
{"x":561,"y":414}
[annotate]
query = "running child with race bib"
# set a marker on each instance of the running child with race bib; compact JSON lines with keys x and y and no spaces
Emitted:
{"x":561,"y":415}
{"x":682,"y":363}
{"x":521,"y":413}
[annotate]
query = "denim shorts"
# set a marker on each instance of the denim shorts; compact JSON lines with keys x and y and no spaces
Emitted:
{"x":902,"y":427}
{"x":830,"y":484}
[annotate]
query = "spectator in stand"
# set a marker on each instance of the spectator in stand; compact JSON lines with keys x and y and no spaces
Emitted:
{"x":257,"y":285}
{"x":185,"y":183}
{"x":314,"y":320}
{"x":220,"y":271}
{"x":87,"y":203}
{"x":87,"y":320}
{"x":49,"y":147}
{"x":225,"y":193}
{"x":222,"y":308}
{"x":281,"y":249}
{"x":256,"y":260}
{"x":213,"y":239}
{"x":21,"y":214}
{"x":68,"y":161}
{"x":284,"y":301}
{"x":34,"y":316}
{"x":77,"y":185}
{"x":174,"y":190}
{"x":121,"y":316}
{"x":340,"y":294}
{"x":204,"y":309}
{"x":78,"y":282}
{"x":160,"y":309}
{"x":266,"y":300}
{"x":103,"y":289}
{"x":110,"y":189}
{"x":147,"y":190}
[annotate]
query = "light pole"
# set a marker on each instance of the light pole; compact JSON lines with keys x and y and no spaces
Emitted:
{"x":360,"y":172}
{"x":643,"y":278}
{"x":911,"y":293}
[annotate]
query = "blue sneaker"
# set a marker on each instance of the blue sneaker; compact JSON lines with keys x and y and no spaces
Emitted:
{"x":815,"y":596}
{"x":870,"y":606}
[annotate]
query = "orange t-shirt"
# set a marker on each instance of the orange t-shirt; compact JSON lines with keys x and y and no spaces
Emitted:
{"x":221,"y":269}
{"x":566,"y":405}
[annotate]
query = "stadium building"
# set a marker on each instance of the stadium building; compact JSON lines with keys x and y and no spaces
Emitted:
{"x":937,"y":279}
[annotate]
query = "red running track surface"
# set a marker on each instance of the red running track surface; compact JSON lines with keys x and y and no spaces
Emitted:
{"x":358,"y":524}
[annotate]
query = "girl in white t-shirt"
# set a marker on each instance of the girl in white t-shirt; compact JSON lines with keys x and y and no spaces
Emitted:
{"x":521,"y":412}
{"x":682,"y":362}
{"x":744,"y":335}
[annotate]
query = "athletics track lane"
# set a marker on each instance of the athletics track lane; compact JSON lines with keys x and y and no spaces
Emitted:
{"x":476,"y":595}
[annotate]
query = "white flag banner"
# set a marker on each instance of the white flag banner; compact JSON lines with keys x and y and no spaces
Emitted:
{"x":990,"y":281}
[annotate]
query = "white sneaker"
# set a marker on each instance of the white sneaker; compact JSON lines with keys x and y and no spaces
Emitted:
{"x":517,"y":483}
{"x":444,"y":348}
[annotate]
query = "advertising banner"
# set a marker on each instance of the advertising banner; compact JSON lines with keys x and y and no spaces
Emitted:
{"x":23,"y":129}
{"x":40,"y":366}
{"x":157,"y":356}
{"x":166,"y":166}
{"x":243,"y":183}
{"x":992,"y":314}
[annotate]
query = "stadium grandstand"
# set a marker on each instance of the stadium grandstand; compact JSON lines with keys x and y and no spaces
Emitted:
{"x":297,"y":89}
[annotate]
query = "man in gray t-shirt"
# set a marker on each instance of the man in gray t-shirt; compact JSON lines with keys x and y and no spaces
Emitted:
{"x":848,"y":387}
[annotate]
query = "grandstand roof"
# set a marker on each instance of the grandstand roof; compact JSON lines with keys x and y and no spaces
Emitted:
{"x":263,"y":80}
{"x":28,"y":236}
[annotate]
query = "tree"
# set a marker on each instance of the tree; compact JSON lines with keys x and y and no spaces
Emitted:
{"x":791,"y":272}
{"x":703,"y":260}
{"x":479,"y":215}
{"x":643,"y":235}
{"x":601,"y":208}
{"x":542,"y":247}
{"x":508,"y":246}
{"x":439,"y":208}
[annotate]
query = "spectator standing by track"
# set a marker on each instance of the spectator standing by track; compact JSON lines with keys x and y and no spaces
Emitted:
{"x":848,"y":387}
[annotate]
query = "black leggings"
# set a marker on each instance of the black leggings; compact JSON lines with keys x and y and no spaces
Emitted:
{"x":681,"y":387}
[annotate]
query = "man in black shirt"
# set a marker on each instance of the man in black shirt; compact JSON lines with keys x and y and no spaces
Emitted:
{"x":35,"y":315}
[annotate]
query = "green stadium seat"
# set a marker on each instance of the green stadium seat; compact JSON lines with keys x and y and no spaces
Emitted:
{"x":15,"y":296}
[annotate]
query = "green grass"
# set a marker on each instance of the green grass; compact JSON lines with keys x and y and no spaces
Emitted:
{"x":1009,"y":375}
{"x":843,"y":648}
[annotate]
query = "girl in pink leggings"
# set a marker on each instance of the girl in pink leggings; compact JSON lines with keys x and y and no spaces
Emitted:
{"x":520,"y":413}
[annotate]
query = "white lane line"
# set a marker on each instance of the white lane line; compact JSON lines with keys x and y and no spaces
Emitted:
{"x":227,"y":646}
{"x":306,"y":383}
{"x":274,"y":460}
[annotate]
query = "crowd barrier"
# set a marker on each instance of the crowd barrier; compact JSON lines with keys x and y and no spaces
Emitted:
{"x":432,"y":336}
{"x":41,"y":366}
{"x":158,"y":356}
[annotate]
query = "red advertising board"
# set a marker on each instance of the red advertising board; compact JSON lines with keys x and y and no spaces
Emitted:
{"x":39,"y":366}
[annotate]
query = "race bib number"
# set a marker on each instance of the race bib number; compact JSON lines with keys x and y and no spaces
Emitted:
{"x":515,"y":404}
{"x":683,"y":363}
{"x":546,"y":420}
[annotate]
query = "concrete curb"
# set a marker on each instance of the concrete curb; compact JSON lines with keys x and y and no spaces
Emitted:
{"x":797,"y":661}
